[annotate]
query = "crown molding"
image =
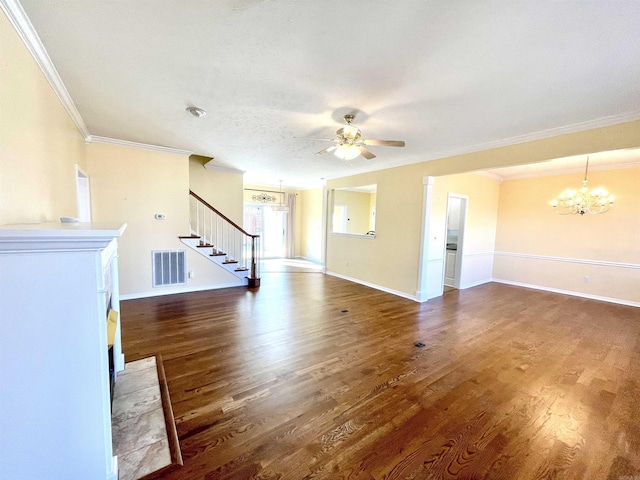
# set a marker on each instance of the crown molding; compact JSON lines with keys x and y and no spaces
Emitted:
{"x":553,"y":132}
{"x":491,"y":175}
{"x":142,"y":146}
{"x":529,"y":137}
{"x":23,"y":26}
{"x":569,"y":171}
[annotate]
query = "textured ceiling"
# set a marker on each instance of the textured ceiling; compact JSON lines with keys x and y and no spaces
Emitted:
{"x":445,"y":76}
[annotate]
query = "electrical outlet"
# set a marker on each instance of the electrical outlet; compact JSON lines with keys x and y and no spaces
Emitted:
{"x":190,"y":274}
{"x":346,"y":264}
{"x":587,"y":279}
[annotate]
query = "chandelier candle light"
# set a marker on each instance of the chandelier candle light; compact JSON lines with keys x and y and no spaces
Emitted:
{"x":572,"y":202}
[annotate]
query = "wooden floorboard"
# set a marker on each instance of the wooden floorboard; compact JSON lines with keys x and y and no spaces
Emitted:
{"x":311,"y":376}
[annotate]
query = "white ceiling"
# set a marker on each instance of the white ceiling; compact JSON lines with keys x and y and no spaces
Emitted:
{"x":445,"y":76}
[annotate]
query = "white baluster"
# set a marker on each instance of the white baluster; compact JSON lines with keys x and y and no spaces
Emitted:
{"x":197,"y":218}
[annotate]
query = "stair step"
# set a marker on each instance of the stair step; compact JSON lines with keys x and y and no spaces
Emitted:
{"x":242,"y":269}
{"x":189,"y":236}
{"x":229,"y":261}
{"x":204,"y":245}
{"x":217,"y":254}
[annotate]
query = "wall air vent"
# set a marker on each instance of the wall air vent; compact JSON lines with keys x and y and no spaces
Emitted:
{"x":169,"y":267}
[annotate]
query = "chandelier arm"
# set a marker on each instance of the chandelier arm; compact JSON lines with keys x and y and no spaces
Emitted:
{"x":582,"y":201}
{"x":586,"y":168}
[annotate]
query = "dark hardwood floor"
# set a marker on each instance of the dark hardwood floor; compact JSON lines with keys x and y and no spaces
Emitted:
{"x":311,"y":376}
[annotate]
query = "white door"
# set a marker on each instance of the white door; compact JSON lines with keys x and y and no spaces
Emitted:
{"x":456,"y":219}
{"x":450,"y":268}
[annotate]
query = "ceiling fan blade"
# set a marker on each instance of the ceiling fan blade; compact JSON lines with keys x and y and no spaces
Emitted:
{"x":366,"y":153}
{"x":326,"y":150}
{"x":386,"y":143}
{"x":316,"y":138}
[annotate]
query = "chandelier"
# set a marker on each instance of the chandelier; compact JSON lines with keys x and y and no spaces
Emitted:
{"x":280,"y":207}
{"x":581,"y":201}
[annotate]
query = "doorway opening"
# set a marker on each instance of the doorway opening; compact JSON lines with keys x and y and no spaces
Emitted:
{"x":271,"y":225}
{"x":455,"y":225}
{"x":83,"y":193}
{"x":340,"y":218}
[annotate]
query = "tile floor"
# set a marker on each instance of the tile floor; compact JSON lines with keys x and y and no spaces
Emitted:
{"x":137,"y":421}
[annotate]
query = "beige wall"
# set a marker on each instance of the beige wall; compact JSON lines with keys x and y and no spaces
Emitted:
{"x":223,"y":190}
{"x":358,"y":210}
{"x":311,"y":219}
{"x":482,"y":209}
{"x":624,"y":135}
{"x":391,"y":260}
{"x":535,"y":246}
{"x":40,"y":146}
{"x":373,"y":198}
{"x":476,"y":253}
{"x":39,"y":143}
{"x":132,"y":185}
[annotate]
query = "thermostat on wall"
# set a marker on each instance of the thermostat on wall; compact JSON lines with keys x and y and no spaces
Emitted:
{"x":160,"y":216}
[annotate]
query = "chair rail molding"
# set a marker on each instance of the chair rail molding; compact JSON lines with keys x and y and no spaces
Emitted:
{"x":602,"y":263}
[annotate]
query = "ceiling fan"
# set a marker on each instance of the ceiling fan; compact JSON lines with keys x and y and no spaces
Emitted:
{"x":349,"y":142}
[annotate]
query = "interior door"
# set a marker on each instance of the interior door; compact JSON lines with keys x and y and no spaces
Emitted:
{"x":455,"y":223}
{"x":450,"y":268}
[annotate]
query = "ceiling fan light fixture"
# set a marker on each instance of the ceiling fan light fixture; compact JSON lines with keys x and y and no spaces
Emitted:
{"x":347,"y":152}
{"x":349,"y":131}
{"x":349,"y":144}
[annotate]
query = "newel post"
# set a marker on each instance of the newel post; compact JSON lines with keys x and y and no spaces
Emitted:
{"x":254,"y":278}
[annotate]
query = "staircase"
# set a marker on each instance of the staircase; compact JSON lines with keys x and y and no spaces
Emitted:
{"x":223,"y":242}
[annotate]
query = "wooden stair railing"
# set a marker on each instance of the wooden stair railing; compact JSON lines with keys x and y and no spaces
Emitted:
{"x":225,"y":238}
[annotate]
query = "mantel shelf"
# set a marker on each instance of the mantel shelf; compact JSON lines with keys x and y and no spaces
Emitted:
{"x":56,"y":236}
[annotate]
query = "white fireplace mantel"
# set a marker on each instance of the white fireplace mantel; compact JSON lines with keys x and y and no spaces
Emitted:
{"x":57,"y":281}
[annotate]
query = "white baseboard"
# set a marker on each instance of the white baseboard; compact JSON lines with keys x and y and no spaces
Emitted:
{"x":310,"y":259}
{"x":372,"y":285}
{"x":120,"y":364}
{"x":113,"y":474}
{"x":421,"y":296}
{"x":159,"y":293}
{"x":569,"y":292}
{"x":476,"y":283}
